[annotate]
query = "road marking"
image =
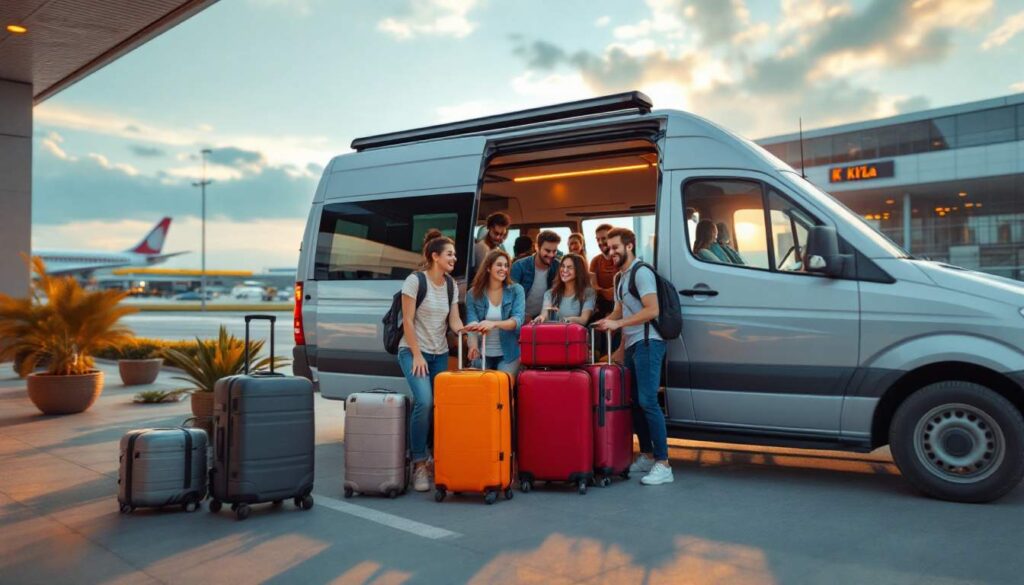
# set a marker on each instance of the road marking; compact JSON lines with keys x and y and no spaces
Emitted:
{"x":383,"y":518}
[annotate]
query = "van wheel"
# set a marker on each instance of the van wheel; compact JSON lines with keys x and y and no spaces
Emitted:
{"x":959,"y":441}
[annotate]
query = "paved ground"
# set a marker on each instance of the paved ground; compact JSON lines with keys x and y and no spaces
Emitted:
{"x":735,"y":515}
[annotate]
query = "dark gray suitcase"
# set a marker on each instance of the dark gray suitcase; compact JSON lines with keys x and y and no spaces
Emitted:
{"x":263,"y":438}
{"x":162,"y":467}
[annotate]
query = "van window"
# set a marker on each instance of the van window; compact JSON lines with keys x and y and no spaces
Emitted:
{"x":642,"y":226}
{"x":743,"y":234}
{"x":383,"y":239}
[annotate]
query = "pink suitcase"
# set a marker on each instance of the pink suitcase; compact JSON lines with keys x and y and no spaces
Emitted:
{"x":553,"y":345}
{"x":613,"y":419}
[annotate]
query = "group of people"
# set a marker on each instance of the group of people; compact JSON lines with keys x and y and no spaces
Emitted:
{"x":506,"y":293}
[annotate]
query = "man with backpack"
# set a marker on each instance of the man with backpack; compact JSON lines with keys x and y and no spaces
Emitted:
{"x":647,"y":311}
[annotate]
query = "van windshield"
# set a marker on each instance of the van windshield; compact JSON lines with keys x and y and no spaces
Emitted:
{"x":837,"y":207}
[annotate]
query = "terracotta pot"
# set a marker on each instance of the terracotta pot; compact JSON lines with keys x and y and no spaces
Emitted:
{"x":202,"y":409}
{"x":136,"y":372}
{"x":64,"y":394}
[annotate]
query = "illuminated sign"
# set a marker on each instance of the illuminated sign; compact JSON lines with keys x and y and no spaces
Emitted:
{"x":866,"y":172}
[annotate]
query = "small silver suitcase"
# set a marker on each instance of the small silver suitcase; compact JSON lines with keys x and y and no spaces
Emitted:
{"x":375,"y":461}
{"x":162,"y":467}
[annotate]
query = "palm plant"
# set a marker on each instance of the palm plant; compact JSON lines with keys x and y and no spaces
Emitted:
{"x":60,"y":324}
{"x":212,"y":360}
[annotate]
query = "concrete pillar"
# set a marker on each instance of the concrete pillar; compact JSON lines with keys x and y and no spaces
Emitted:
{"x":15,"y":185}
{"x":907,"y":210}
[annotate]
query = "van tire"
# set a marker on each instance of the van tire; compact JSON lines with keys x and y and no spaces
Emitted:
{"x":982,"y":442}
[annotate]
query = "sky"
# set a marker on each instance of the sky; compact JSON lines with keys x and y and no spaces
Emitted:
{"x":276,"y":88}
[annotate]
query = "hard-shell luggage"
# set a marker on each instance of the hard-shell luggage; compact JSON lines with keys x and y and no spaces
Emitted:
{"x":553,"y":345}
{"x":263,"y":437}
{"x":554,"y":427}
{"x":162,"y":467}
{"x":473,"y":432}
{"x":613,"y":421}
{"x":375,"y":433}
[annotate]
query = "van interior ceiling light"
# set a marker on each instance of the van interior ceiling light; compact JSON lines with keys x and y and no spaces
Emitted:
{"x":16,"y":29}
{"x":603,"y":171}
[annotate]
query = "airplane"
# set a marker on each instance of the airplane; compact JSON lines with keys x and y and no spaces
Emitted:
{"x":84,"y":263}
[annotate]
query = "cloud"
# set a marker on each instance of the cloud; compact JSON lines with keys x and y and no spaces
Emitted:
{"x":147,"y":151}
{"x":105,"y":163}
{"x":443,"y":18}
{"x":1006,"y":31}
{"x":814,"y":61}
{"x":911,"y":104}
{"x":52,"y":144}
{"x":1019,"y":86}
{"x":602,"y":21}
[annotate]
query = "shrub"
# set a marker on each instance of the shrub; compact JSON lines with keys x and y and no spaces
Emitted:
{"x":212,"y":360}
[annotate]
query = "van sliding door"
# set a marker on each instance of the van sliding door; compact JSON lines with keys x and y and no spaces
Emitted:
{"x":377,"y":206}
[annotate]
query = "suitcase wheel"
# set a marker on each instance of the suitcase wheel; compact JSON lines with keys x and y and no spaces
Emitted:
{"x":277,"y":503}
{"x":393,"y":493}
{"x":605,"y":481}
{"x":242,"y":511}
{"x":348,"y":492}
{"x":191,"y":504}
{"x":439,"y":495}
{"x":525,"y":486}
{"x":581,"y":487}
{"x":215,"y":506}
{"x":509,"y":493}
{"x":490,"y":497}
{"x":304,"y":502}
{"x":624,"y":474}
{"x":127,"y":509}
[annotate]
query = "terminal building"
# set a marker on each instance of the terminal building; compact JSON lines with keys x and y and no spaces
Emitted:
{"x":946,"y":184}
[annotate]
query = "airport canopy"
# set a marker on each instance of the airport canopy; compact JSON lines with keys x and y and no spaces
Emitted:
{"x":66,"y":40}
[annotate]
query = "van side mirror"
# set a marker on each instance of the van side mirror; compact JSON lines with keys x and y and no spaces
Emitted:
{"x":823,"y":251}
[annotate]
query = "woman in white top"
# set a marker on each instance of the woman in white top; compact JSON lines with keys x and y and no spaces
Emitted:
{"x":423,"y":351}
{"x":496,"y":305}
{"x":572,"y":297}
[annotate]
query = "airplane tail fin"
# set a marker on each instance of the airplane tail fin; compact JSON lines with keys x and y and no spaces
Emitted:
{"x":153,"y":243}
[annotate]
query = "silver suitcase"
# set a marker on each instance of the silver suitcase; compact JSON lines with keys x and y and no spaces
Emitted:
{"x":375,"y":461}
{"x":162,"y":467}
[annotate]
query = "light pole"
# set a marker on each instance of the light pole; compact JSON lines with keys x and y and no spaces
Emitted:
{"x":202,"y":187}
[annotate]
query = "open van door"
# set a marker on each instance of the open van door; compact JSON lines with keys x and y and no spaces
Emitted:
{"x":365,"y":237}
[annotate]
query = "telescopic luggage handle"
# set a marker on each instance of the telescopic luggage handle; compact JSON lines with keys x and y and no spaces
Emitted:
{"x":593,"y":346}
{"x":483,"y":350}
{"x":249,"y":319}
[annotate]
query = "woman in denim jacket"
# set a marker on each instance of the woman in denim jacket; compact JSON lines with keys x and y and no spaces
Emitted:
{"x":496,"y":305}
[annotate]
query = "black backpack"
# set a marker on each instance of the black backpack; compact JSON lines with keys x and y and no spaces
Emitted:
{"x":669,"y":323}
{"x":393,"y":329}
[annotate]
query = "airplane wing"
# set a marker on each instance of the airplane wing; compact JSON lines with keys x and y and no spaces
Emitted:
{"x":83,"y":270}
{"x":160,"y":258}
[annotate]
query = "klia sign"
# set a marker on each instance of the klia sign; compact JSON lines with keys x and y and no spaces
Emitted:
{"x":865,"y":172}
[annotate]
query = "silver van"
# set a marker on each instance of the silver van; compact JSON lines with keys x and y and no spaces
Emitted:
{"x":813,"y":331}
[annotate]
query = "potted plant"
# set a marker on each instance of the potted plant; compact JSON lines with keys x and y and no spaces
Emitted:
{"x":65,"y":330}
{"x":211,"y":360}
{"x":138,"y":363}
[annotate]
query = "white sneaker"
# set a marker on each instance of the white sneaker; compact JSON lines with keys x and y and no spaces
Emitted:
{"x":659,"y":474}
{"x":642,"y":464}
{"x":421,"y":479}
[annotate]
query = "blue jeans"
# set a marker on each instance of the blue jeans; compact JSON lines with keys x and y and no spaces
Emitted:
{"x":644,"y":362}
{"x":422,"y":398}
{"x":499,"y":363}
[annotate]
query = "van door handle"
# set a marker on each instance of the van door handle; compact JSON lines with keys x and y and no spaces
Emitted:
{"x":698,"y":292}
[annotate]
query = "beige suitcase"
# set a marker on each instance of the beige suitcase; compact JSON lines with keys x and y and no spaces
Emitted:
{"x":375,"y":437}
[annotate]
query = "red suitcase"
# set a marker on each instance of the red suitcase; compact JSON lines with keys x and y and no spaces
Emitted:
{"x":554,"y":427}
{"x":553,"y":345}
{"x":613,"y":419}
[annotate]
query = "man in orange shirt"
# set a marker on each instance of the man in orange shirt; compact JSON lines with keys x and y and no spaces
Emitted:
{"x":604,"y":270}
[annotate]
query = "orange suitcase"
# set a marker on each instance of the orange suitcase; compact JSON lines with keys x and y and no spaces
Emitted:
{"x":473,"y":432}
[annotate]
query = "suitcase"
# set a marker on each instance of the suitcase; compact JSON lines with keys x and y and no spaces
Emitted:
{"x":554,"y":427}
{"x":263,"y":437}
{"x":473,"y":432}
{"x":375,"y":432}
{"x":613,"y":419}
{"x":553,"y":345}
{"x":162,"y":467}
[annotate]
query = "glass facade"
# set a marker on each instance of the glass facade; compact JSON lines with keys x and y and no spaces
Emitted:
{"x":991,"y":126}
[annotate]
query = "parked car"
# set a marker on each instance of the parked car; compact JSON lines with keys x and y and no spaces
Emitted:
{"x":820,"y":332}
{"x":193,"y":295}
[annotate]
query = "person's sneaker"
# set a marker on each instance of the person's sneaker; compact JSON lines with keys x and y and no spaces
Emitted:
{"x":421,"y":479}
{"x":659,"y":474}
{"x":642,"y":464}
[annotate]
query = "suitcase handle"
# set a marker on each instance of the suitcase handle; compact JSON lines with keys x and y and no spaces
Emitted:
{"x":593,"y":346}
{"x":249,"y":319}
{"x":483,"y":350}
